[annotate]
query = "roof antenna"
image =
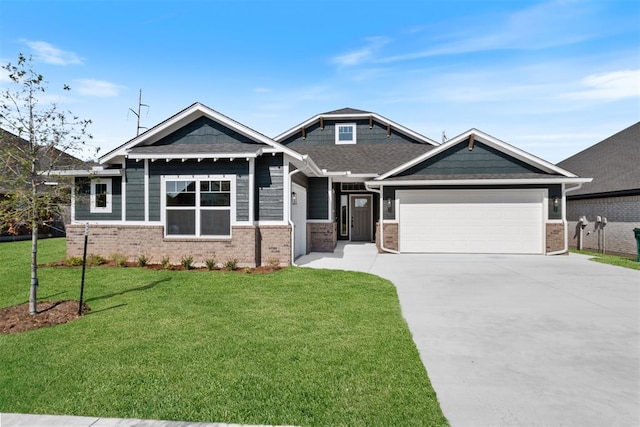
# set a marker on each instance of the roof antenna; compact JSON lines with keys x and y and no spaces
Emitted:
{"x":444,"y":137}
{"x":140,"y":105}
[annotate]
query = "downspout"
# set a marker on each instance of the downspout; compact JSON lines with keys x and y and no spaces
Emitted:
{"x":565,"y":225}
{"x":373,"y":190}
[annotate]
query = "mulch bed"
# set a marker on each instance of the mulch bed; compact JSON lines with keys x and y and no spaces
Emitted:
{"x":17,"y":319}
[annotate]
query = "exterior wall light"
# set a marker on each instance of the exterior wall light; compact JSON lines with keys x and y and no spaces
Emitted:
{"x":294,"y":198}
{"x":556,"y":203}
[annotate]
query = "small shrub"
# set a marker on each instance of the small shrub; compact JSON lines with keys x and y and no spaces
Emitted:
{"x":120,"y":260}
{"x":94,"y":260}
{"x":231,"y":264}
{"x":142,"y":260}
{"x":165,"y":263}
{"x":187,"y":262}
{"x":246,"y":270}
{"x":210,"y":263}
{"x":73,"y":261}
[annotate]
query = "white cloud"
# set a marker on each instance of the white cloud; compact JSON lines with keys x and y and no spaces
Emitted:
{"x":49,"y":54}
{"x":609,"y":86}
{"x":361,"y":55}
{"x":545,"y":25}
{"x":99,"y":88}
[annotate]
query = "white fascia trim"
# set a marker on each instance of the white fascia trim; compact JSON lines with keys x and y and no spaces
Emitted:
{"x":116,"y":222}
{"x":191,"y":156}
{"x":480,"y":182}
{"x":490,"y":141}
{"x":146,"y":190}
{"x":85,"y":172}
{"x":376,"y":116}
{"x":272,"y":222}
{"x":185,"y":116}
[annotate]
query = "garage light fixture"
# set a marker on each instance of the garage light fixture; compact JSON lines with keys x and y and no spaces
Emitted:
{"x":556,"y":203}
{"x":294,"y":198}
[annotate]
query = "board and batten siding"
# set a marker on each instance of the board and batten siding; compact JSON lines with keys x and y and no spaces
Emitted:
{"x":134,"y":176}
{"x":269,"y":194}
{"x":318,"y":198}
{"x":82,"y":205}
{"x":239,"y":168}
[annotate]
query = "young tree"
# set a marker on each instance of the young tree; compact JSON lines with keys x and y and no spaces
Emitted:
{"x":35,"y":140}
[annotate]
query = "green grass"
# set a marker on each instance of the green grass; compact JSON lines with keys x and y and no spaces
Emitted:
{"x":298,"y":347}
{"x":610,"y":259}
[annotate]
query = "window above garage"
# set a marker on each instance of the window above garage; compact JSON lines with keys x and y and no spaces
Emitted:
{"x":345,"y":133}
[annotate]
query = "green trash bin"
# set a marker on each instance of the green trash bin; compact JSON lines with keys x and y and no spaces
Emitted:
{"x":637,"y":232}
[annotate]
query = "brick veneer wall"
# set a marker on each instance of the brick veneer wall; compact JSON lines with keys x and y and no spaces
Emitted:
{"x":250,"y":245}
{"x":555,"y":237}
{"x":323,"y":236}
{"x":623,"y":215}
{"x":274,"y":244}
{"x":390,"y":236}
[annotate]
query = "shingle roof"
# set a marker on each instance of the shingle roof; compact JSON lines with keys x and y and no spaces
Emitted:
{"x":197,"y":148}
{"x":347,"y":110}
{"x":614,"y":163}
{"x":363,"y":158}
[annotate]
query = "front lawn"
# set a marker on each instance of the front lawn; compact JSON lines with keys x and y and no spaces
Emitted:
{"x":297,"y":347}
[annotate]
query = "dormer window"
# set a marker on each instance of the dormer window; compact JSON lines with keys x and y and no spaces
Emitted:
{"x":345,"y":133}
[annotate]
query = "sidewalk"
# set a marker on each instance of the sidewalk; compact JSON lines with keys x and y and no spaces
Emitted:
{"x":27,"y":420}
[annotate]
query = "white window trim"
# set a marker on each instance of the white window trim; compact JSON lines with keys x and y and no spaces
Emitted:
{"x":197,"y":178}
{"x":109,"y":207}
{"x":354,"y":127}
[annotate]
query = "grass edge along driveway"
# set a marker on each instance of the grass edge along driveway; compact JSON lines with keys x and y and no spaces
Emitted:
{"x":297,"y":347}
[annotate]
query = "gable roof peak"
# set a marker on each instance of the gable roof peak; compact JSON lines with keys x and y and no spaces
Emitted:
{"x":345,"y":110}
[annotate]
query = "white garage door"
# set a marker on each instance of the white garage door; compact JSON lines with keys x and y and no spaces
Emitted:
{"x":471,"y":221}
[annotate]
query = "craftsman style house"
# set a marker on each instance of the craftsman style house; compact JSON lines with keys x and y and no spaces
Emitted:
{"x":203,"y":185}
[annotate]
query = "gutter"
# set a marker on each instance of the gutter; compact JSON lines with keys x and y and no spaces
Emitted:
{"x":379,"y":191}
{"x":565,"y":224}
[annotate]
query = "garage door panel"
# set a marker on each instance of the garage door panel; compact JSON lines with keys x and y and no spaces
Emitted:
{"x":471,"y":221}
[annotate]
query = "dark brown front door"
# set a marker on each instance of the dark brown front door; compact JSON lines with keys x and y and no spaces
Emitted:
{"x":361,"y":218}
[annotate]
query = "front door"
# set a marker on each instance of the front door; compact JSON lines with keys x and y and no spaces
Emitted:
{"x":361,"y":217}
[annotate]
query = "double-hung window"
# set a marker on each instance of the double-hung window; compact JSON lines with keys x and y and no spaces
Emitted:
{"x":199,"y":207}
{"x":101,"y":198}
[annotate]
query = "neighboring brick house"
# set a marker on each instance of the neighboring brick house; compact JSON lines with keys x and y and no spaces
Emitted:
{"x":614,"y":193}
{"x":203,"y":185}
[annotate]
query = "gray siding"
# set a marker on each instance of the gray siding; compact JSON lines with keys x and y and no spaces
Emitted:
{"x":460,"y":160}
{"x":239,"y":167}
{"x":318,"y":199}
{"x":364,"y":135}
{"x":269,"y":176}
{"x":134,"y":175}
{"x":203,"y":130}
{"x":83,"y":201}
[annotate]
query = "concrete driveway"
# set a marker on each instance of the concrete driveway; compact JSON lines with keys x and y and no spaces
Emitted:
{"x":517,"y":340}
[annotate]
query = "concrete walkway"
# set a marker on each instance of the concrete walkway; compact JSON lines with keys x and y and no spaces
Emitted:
{"x":24,"y":420}
{"x":515,"y":340}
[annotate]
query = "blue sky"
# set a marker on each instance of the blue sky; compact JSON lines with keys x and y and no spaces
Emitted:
{"x":550,"y":77}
